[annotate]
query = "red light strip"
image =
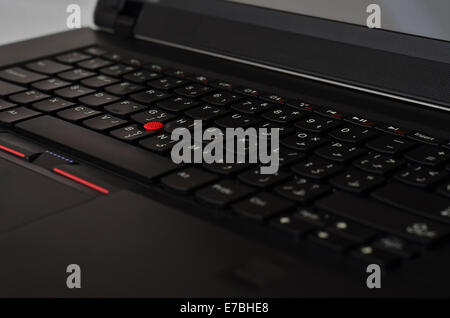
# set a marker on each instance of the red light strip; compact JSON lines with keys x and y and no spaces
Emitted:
{"x":82,"y":181}
{"x":12,"y":151}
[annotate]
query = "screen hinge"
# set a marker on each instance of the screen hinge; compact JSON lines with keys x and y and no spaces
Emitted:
{"x":126,"y":18}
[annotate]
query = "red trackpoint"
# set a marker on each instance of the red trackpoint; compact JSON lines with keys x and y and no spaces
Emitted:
{"x":153,"y":125}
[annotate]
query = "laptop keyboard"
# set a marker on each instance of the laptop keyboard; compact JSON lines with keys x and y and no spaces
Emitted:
{"x":374,"y":191}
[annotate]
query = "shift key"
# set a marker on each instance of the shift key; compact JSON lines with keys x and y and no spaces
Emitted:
{"x":140,"y":163}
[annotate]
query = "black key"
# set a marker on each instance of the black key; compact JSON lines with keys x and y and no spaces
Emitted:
{"x":207,"y":112}
{"x":124,"y":88}
{"x":226,"y":168}
{"x":330,"y":240}
{"x":181,"y":122}
{"x":425,"y":138}
{"x":237,"y":120}
{"x":317,"y":124}
{"x":445,"y":189}
{"x":20,"y":75}
{"x":317,"y":168}
{"x":193,"y":90}
{"x":262,"y":206}
{"x":384,"y":218}
{"x":153,"y":114}
{"x":6,"y":105}
{"x":94,"y":64}
{"x":395,"y":245}
{"x":124,"y":108}
{"x":428,"y":155}
{"x":378,"y":163}
{"x":415,"y":201}
{"x":74,"y":91}
{"x":8,"y":88}
{"x":177,"y":104}
{"x":98,"y":99}
{"x":133,"y":62}
{"x":150,"y":96}
{"x":329,"y":112}
{"x":395,"y":130}
{"x":76,"y":74}
{"x":252,"y":106}
{"x":72,"y":57}
{"x":301,"y":104}
{"x":313,"y":217}
{"x":248,"y":91}
{"x":304,"y":141}
{"x":17,"y":114}
{"x":340,"y":152}
{"x":167,"y":83}
{"x":350,"y":230}
{"x":446,"y":144}
{"x":117,"y":70}
{"x":223,"y":85}
{"x":352,"y":134}
{"x":188,"y":180}
{"x":112,"y":56}
{"x":302,"y":190}
{"x":222,"y":98}
{"x":154,"y":68}
{"x":361,"y":121}
{"x":390,"y":145}
{"x":134,"y":160}
{"x":370,"y":254}
{"x":19,"y":147}
{"x":282,"y":130}
{"x":223,"y":193}
{"x":104,"y":122}
{"x":99,"y":81}
{"x":50,"y":84}
{"x":78,"y":113}
{"x":48,"y":67}
{"x":201,"y":79}
{"x":96,"y":51}
{"x":356,"y":181}
{"x":287,"y":156}
{"x":175,"y":73}
{"x":52,"y":104}
{"x":131,"y":133}
{"x":159,"y":143}
{"x":283,"y":115}
{"x":273,"y":98}
{"x":254,"y":178}
{"x":420,"y":176}
{"x":140,"y":77}
{"x":291,"y":227}
{"x":27,"y":97}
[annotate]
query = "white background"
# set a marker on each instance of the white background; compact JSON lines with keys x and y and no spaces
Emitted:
{"x":24,"y":19}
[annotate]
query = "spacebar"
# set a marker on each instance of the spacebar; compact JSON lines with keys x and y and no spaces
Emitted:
{"x":384,"y":218}
{"x":139,"y":162}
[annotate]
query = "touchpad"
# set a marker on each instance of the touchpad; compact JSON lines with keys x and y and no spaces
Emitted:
{"x":26,"y":195}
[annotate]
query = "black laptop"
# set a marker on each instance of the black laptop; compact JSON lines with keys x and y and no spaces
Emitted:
{"x":92,"y":203}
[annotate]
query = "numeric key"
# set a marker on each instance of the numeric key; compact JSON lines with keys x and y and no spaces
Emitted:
{"x":222,"y":98}
{"x":48,"y":67}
